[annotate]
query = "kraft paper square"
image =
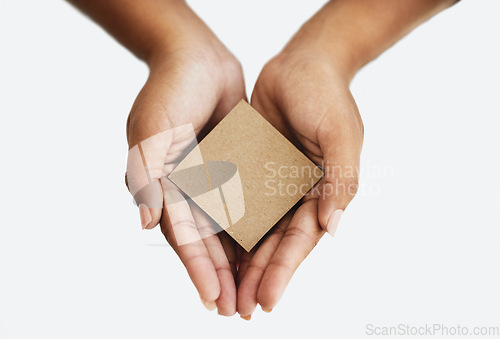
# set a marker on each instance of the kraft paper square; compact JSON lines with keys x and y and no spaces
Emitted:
{"x":245,"y":175}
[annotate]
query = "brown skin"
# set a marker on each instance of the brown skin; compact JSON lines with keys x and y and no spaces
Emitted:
{"x":303,"y":91}
{"x":193,"y":79}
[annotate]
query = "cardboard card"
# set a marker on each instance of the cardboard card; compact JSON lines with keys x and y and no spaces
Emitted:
{"x":245,"y":175}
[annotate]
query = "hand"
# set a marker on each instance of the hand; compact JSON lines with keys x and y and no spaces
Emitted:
{"x":304,"y":92}
{"x":194,"y":82}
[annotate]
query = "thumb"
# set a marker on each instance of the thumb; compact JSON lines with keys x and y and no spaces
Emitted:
{"x":145,"y":166}
{"x":341,"y":148}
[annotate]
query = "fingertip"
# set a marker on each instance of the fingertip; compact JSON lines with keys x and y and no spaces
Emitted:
{"x":333,"y":222}
{"x":247,"y":293}
{"x":155,"y":214}
{"x":145,"y":216}
{"x":266,"y":299}
{"x":206,"y":283}
{"x":272,"y":287}
{"x":227,"y":305}
{"x":329,"y":214}
{"x":247,"y":308}
{"x":209,"y":293}
{"x":226,"y":312}
{"x":326,"y":207}
{"x":209,"y":305}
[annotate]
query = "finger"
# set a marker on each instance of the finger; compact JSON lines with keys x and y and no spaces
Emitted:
{"x":146,"y":192}
{"x":147,"y":199}
{"x":340,"y":139}
{"x":244,"y":259}
{"x":271,"y":238}
{"x":181,"y":231}
{"x":299,"y":239}
{"x":230,"y":248}
{"x":252,"y":273}
{"x":145,"y":167}
{"x":226,"y":302}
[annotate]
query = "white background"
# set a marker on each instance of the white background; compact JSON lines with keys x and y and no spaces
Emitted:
{"x":419,"y":245}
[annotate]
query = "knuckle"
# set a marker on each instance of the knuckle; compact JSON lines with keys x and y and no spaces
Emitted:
{"x":184,"y":224}
{"x":341,"y":187}
{"x":302,"y":236}
{"x":206,"y":229}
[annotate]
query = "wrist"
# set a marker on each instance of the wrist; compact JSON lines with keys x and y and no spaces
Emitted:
{"x":354,"y":33}
{"x":177,"y":31}
{"x":325,"y":39}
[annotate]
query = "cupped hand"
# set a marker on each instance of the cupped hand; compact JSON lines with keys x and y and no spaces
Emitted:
{"x":194,"y":82}
{"x":304,"y":92}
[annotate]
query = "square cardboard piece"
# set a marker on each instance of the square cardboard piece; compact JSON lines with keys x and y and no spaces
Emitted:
{"x":245,"y":175}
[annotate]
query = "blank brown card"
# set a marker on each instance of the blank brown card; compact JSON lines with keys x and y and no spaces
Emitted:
{"x":245,"y":175}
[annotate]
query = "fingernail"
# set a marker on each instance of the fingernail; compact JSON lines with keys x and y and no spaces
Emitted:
{"x":333,"y":223}
{"x":248,"y":317}
{"x":209,"y":305}
{"x":145,"y":215}
{"x":267,"y":310}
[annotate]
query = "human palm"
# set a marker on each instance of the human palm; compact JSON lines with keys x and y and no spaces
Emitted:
{"x":305,"y":96}
{"x":189,"y":90}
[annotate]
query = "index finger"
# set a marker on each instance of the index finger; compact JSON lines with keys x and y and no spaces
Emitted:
{"x":299,"y":239}
{"x":181,"y":231}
